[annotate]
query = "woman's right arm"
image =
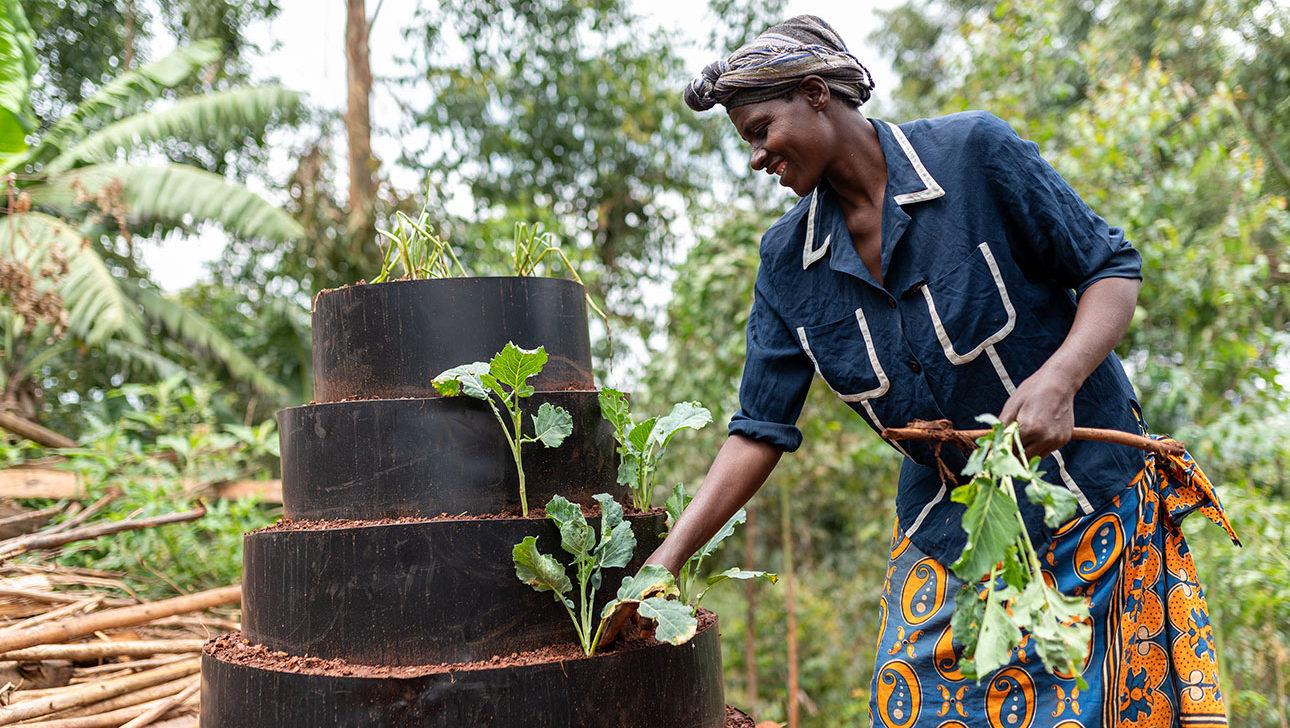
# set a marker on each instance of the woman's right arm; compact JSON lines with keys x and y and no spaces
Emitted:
{"x":739,"y":470}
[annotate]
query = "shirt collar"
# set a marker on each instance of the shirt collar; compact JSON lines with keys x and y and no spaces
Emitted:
{"x":908,"y":182}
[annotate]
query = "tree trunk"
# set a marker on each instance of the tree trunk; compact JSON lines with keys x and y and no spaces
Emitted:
{"x":358,"y":122}
{"x":750,"y":596}
{"x":127,"y":55}
{"x":786,"y":534}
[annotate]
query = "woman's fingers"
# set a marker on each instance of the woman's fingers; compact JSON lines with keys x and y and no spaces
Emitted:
{"x":617,"y":623}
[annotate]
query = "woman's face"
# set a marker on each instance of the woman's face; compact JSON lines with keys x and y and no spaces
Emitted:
{"x":790,"y":137}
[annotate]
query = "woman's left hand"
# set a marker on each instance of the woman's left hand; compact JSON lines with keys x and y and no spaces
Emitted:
{"x":1044,"y":407}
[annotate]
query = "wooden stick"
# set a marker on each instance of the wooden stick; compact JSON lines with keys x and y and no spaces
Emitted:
{"x":122,"y":617}
{"x":152,"y":715}
{"x":110,"y":719}
{"x":27,"y":521}
{"x":21,"y":545}
{"x":164,"y":690}
{"x":53,"y":614}
{"x":34,"y":432}
{"x":98,"y":691}
{"x":91,"y":509}
{"x":97,"y":671}
{"x":943,"y":431}
{"x":101,"y":650}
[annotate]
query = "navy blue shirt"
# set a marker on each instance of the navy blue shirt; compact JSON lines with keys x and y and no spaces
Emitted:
{"x":985,"y":251}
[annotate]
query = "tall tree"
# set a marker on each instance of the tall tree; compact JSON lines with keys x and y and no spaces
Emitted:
{"x":358,"y":119}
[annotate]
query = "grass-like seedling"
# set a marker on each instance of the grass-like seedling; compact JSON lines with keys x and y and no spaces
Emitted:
{"x":689,"y":574}
{"x":1005,"y":593}
{"x":412,"y":246}
{"x":642,"y":444}
{"x":504,"y":381}
{"x":648,"y":589}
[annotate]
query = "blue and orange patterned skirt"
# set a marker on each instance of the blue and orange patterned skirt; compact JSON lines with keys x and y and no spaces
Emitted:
{"x":1152,"y":662}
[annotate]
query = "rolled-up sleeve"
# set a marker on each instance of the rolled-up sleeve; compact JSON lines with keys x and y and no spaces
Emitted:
{"x":776,"y":378}
{"x":1049,"y":225}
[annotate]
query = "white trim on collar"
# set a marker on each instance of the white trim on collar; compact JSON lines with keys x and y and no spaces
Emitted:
{"x":809,"y":253}
{"x":931,"y":190}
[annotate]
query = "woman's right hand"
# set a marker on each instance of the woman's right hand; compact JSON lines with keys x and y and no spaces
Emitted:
{"x":739,"y":470}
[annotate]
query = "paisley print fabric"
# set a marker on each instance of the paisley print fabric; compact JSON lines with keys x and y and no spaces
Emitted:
{"x":1151,"y":664}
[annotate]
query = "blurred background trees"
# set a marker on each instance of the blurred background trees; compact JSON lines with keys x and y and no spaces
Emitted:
{"x":129,"y":122}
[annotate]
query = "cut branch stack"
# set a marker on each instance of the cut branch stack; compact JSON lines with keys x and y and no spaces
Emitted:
{"x":77,"y":650}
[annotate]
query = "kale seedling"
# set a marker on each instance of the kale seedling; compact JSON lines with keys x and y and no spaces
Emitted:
{"x":1005,"y":591}
{"x":648,"y":589}
{"x":642,"y":444}
{"x":676,"y":504}
{"x":505,"y":380}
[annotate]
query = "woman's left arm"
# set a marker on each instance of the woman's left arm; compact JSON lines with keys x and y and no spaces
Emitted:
{"x":1044,"y":404}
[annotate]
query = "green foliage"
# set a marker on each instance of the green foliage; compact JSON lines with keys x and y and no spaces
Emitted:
{"x":154,"y":443}
{"x":505,"y":380}
{"x":641,"y":445}
{"x":591,"y":556}
{"x":991,"y":615}
{"x":17,"y":66}
{"x":693,"y":567}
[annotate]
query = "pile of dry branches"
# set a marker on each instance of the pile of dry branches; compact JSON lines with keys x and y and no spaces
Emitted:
{"x":78,"y":650}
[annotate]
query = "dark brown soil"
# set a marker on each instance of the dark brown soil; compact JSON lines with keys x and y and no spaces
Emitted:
{"x":535,"y":514}
{"x":737,"y":719}
{"x":235,"y":649}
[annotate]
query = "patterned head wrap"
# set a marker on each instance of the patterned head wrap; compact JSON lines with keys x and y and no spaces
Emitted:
{"x":774,"y":63}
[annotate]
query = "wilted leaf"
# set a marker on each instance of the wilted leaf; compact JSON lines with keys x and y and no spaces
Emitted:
{"x":676,"y":623}
{"x":540,"y":571}
{"x":991,"y":525}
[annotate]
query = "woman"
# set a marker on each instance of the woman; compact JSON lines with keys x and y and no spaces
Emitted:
{"x":941,"y":269}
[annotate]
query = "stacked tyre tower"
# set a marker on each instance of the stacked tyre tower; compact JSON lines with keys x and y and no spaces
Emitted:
{"x":387,"y":596}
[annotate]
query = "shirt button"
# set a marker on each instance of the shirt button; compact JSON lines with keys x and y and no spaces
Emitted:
{"x":891,"y":303}
{"x":914,"y":366}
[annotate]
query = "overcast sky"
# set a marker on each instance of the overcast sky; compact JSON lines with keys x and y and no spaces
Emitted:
{"x":309,"y":56}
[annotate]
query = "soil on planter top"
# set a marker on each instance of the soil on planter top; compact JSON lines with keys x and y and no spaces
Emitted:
{"x":738,"y":719}
{"x":235,"y":649}
{"x":535,"y":514}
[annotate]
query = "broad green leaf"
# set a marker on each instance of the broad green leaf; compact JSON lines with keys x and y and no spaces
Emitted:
{"x":724,"y":533}
{"x":991,"y":525}
{"x":999,"y":634}
{"x":675,"y":505}
{"x":17,"y":66}
{"x":743,"y":575}
{"x":552,"y":424}
{"x":969,"y":612}
{"x":613,"y":407}
{"x":675,"y":622}
{"x":1014,"y":573}
{"x":639,"y":437}
{"x":576,"y":536}
{"x":540,"y":571}
{"x":1059,"y":503}
{"x":617,"y":549}
{"x":464,"y":379}
{"x":684,"y":415}
{"x":513,"y":366}
{"x":1056,"y":623}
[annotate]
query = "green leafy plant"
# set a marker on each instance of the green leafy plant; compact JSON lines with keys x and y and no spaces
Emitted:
{"x":504,"y":380}
{"x":414,"y":247}
{"x":642,"y":444}
{"x":1005,"y":594}
{"x":532,"y":246}
{"x":648,"y":589}
{"x":676,"y":504}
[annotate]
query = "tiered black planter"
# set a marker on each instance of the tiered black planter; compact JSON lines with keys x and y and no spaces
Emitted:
{"x":417,"y":579}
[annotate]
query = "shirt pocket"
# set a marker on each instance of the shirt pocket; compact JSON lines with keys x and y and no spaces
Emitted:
{"x":845,"y":358}
{"x":969,"y":307}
